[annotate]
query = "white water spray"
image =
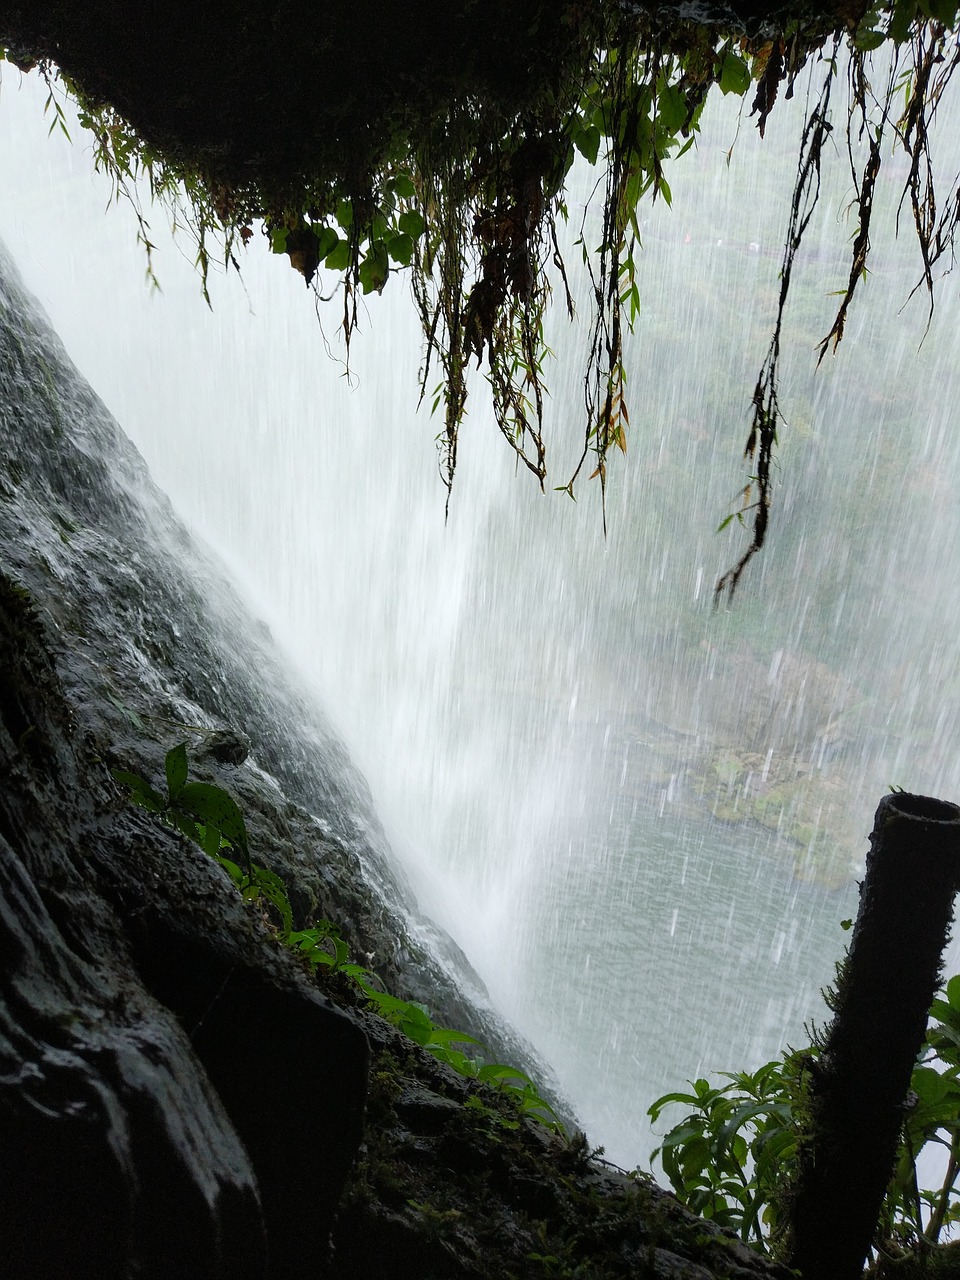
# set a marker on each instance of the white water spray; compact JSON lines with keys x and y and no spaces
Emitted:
{"x":640,"y":817}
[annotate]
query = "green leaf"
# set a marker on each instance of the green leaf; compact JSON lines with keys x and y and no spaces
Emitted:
{"x":233,"y":871}
{"x":455,"y":1059}
{"x":671,"y":108}
{"x":447,"y":1035}
{"x":774,"y":1147}
{"x":404,"y":1015}
{"x":328,"y":932}
{"x":322,"y":945}
{"x":209,"y":839}
{"x":278,"y":240}
{"x":503,"y":1074}
{"x":208,"y":803}
{"x":541,"y":1110}
{"x":411,"y":223}
{"x":587,"y":142}
{"x":416,"y":1024}
{"x":403,"y":186}
{"x":940,"y":1009}
{"x":345,"y":214}
{"x":386,"y":1004}
{"x":400,"y":249}
{"x":688,"y":1099}
{"x":734,"y":74}
{"x":689,"y":1127}
{"x":904,"y":12}
{"x":141,"y":792}
{"x":693,"y":1157}
{"x":175,"y":764}
{"x":338,"y":259}
{"x":690,"y":141}
{"x":327,"y":239}
{"x":374,"y":268}
{"x":866,"y":40}
{"x":274,"y":890}
{"x":185,"y":824}
{"x":944,"y":11}
{"x":944,"y":1035}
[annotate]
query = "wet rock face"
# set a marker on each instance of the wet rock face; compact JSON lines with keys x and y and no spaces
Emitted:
{"x":278,"y":90}
{"x":164,"y":1065}
{"x":159,"y":1060}
{"x":177,"y":1098}
{"x":153,"y":647}
{"x":451,"y":1184}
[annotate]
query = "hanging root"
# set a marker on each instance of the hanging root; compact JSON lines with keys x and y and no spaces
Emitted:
{"x":766,"y":408}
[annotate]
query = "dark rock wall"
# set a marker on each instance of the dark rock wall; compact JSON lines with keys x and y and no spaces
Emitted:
{"x":159,"y":1060}
{"x":273,"y":91}
{"x":166,"y":1070}
{"x":178,"y":1099}
{"x":149,"y":639}
{"x":147,"y":1019}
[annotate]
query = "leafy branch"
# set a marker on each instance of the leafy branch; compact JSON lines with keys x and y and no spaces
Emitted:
{"x":733,"y":1152}
{"x":210,"y":817}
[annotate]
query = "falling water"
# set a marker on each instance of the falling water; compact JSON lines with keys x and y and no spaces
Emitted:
{"x":640,"y":816}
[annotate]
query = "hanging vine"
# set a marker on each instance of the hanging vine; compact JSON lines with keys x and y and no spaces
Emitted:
{"x":762,"y":436}
{"x":463,"y":187}
{"x":922,"y":59}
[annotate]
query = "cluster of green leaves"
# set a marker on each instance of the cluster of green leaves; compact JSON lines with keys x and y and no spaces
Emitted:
{"x":471,"y":211}
{"x":209,"y":816}
{"x":323,"y":947}
{"x":893,"y":21}
{"x":470,"y":202}
{"x":725,"y":1158}
{"x":368,"y":245}
{"x":643,"y":109}
{"x":914,"y":1217}
{"x":730,"y":1156}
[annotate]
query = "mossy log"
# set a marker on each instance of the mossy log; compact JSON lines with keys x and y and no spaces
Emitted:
{"x":884,"y":991}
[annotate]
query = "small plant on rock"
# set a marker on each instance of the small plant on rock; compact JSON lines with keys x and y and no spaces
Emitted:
{"x":210,"y":817}
{"x":730,"y":1156}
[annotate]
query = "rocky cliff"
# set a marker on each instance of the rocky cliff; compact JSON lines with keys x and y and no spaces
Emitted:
{"x":179,"y":1097}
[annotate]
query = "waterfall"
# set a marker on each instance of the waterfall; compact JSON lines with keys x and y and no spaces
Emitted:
{"x":641,"y":817}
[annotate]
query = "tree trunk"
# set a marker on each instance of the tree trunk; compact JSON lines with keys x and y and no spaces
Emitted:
{"x":884,"y":991}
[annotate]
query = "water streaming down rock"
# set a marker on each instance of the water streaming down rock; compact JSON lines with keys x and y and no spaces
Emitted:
{"x":642,"y":818}
{"x":154,"y":647}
